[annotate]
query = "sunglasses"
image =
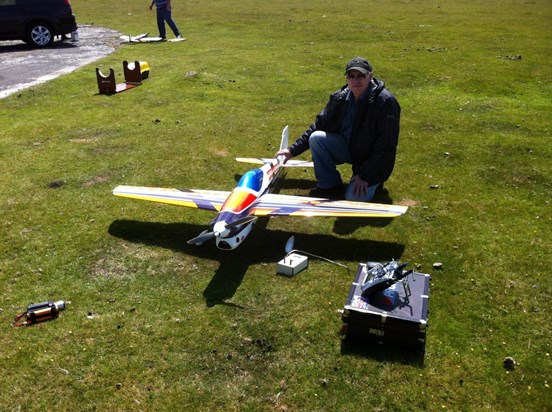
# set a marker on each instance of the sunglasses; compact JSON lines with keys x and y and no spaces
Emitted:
{"x":355,"y":77}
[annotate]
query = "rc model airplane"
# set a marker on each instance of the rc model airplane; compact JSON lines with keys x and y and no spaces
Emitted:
{"x":239,"y":209}
{"x":144,"y":38}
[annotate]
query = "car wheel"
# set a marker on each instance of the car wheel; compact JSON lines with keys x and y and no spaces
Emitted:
{"x":40,"y":35}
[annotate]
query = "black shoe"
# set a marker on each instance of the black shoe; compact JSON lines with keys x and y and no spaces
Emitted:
{"x":334,"y":193}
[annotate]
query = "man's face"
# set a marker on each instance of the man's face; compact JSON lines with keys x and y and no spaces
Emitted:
{"x":358,"y":82}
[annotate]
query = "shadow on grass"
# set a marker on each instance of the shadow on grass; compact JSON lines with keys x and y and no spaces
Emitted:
{"x":297,"y":184}
{"x":380,"y":353}
{"x":17,"y":46}
{"x":345,"y":226}
{"x":262,"y":245}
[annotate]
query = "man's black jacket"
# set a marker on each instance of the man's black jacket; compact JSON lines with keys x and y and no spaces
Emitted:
{"x":374,"y":136}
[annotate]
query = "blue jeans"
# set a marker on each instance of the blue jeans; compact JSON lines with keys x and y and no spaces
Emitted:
{"x":329,"y":150}
{"x":164,"y":15}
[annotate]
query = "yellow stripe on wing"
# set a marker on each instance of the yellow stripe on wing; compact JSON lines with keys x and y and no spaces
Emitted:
{"x":201,"y":199}
{"x":168,"y":201}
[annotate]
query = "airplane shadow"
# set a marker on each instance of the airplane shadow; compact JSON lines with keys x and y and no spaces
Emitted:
{"x":301,"y":186}
{"x":346,"y":226}
{"x":262,"y":245}
{"x":297,"y":184}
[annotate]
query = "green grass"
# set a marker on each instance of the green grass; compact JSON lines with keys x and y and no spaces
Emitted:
{"x":154,"y":324}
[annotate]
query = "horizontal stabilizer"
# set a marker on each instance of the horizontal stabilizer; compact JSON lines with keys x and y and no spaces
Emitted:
{"x":262,"y":161}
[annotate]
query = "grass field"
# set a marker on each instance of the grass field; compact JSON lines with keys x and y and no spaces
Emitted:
{"x":154,"y":324}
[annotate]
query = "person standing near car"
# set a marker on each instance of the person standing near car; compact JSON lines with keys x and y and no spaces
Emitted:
{"x":359,"y":125}
{"x":164,"y":14}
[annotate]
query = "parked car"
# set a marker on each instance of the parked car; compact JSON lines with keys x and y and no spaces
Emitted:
{"x":36,"y":22}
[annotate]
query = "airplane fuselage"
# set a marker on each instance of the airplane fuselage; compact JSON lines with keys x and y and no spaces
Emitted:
{"x":240,"y":203}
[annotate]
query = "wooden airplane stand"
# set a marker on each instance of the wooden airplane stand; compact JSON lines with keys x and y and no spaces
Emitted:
{"x":134,"y":74}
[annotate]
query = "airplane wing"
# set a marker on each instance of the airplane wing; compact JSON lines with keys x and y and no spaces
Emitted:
{"x":262,"y":161}
{"x":269,"y":205}
{"x":200,"y":199}
{"x":283,"y":205}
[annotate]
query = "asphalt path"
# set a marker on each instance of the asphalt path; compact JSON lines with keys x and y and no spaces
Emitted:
{"x":22,"y":67}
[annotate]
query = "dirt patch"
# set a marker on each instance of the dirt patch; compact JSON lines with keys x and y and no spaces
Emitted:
{"x":409,"y":202}
{"x":22,"y":67}
{"x":96,"y":180}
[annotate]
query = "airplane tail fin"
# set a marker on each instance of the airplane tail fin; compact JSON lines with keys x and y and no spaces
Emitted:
{"x":284,"y":143}
{"x":285,"y":138}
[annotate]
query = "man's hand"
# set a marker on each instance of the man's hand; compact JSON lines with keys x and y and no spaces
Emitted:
{"x":285,"y":153}
{"x":360,"y":187}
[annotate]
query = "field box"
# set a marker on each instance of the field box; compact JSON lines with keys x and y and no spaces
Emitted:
{"x":390,"y":317}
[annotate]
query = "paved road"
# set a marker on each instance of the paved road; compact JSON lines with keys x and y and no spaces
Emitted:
{"x":22,"y":67}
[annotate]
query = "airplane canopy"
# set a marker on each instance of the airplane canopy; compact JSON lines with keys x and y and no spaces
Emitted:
{"x":253,"y":180}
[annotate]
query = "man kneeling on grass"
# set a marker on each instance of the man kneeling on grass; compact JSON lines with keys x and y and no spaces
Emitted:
{"x":359,"y":126}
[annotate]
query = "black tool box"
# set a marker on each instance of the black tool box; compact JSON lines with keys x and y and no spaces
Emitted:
{"x":396,"y":316}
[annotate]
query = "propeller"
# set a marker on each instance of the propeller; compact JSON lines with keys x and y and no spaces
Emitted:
{"x":289,"y":249}
{"x":203,"y":237}
{"x":289,"y":244}
{"x":221,"y":228}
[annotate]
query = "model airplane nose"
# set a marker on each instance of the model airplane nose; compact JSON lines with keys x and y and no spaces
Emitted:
{"x":221,"y":229}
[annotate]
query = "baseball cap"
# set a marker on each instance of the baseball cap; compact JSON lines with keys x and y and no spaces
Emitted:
{"x":360,"y":64}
